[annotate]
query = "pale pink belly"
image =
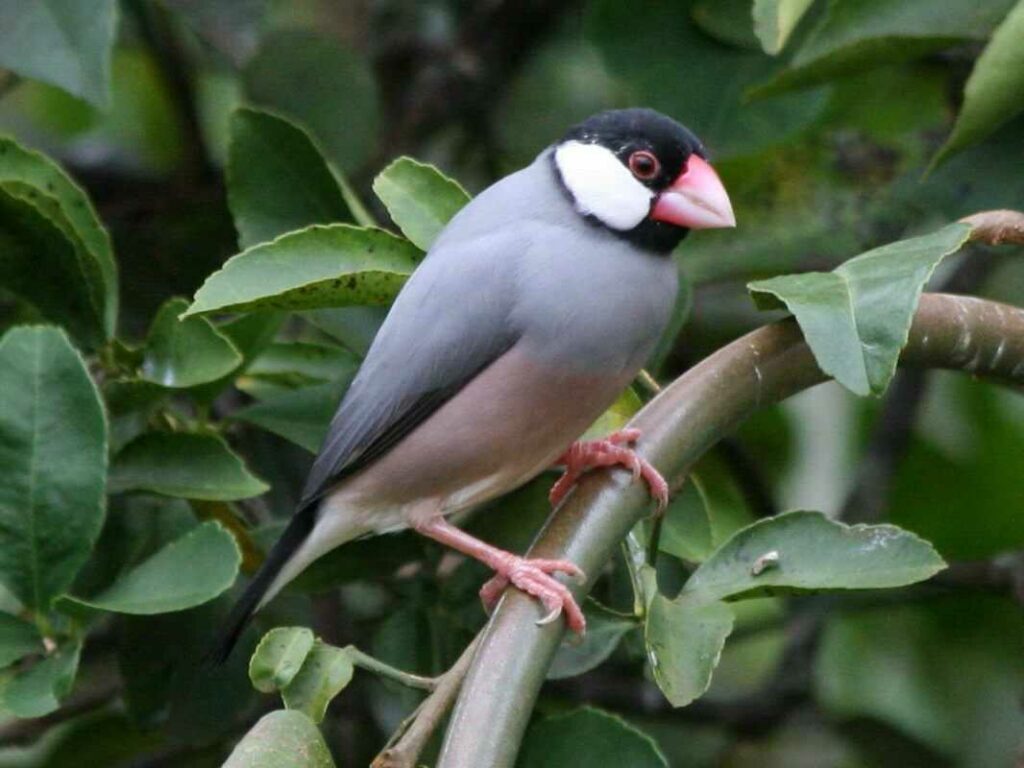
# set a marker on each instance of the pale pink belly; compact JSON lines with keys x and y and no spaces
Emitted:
{"x":506,"y":426}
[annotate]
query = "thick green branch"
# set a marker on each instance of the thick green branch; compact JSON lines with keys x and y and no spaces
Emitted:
{"x":679,"y":425}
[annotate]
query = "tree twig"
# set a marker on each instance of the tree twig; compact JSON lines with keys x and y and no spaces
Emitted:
{"x":412,"y":735}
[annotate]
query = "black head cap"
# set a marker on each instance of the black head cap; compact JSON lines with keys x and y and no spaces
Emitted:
{"x":625,"y":131}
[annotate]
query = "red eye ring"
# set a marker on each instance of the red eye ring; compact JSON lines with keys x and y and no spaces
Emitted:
{"x":644,"y":165}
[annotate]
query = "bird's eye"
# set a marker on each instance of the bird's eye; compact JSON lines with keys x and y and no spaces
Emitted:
{"x":644,"y":165}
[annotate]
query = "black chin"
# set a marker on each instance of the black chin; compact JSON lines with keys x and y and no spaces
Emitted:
{"x":656,"y":236}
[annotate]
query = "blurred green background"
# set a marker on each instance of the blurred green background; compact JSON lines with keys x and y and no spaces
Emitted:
{"x":827,"y":149}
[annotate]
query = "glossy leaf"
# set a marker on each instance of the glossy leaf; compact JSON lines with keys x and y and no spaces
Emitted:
{"x":285,"y":366}
{"x":588,"y":737}
{"x":187,"y":465}
{"x":684,"y":643}
{"x":775,"y":20}
{"x":53,"y":463}
{"x":857,"y":317}
{"x":64,"y":43}
{"x":853,"y":37}
{"x":801,"y":551}
{"x":324,"y":673}
{"x":420,"y":199}
{"x":187,"y":572}
{"x":301,"y":415}
{"x":321,"y":266}
{"x":281,"y":739}
{"x":278,"y":181}
{"x":994,"y":92}
{"x":186,"y":353}
{"x":46,"y":266}
{"x":604,"y":631}
{"x":24,"y":166}
{"x":279,"y":657}
{"x":38,"y":690}
{"x":17,"y":638}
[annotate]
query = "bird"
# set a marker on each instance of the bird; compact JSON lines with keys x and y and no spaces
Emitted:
{"x":535,"y":307}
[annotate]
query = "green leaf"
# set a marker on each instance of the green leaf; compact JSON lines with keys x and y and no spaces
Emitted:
{"x":341,"y":111}
{"x":17,"y":638}
{"x":130,"y":404}
{"x":686,"y":527}
{"x":53,"y":463}
{"x":281,"y":739}
{"x":775,"y":20}
{"x":64,"y":43}
{"x":187,"y":572}
{"x":715,"y":108}
{"x":38,"y":690}
{"x":800,"y":551}
{"x":857,"y":317}
{"x":301,"y":415}
{"x":279,"y":657}
{"x":324,"y":673}
{"x":727,"y":21}
{"x":420,"y":199}
{"x":298,"y":364}
{"x":24,"y":166}
{"x":187,"y":465}
{"x":320,"y":266}
{"x":604,"y":631}
{"x":684,"y":643}
{"x":853,"y":37}
{"x":45,"y":265}
{"x":278,"y":181}
{"x":589,"y":737}
{"x":994,"y":92}
{"x":185,"y":353}
{"x":947,"y":671}
{"x":616,"y":416}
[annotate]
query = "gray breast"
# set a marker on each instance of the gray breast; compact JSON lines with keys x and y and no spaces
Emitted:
{"x":581,"y":297}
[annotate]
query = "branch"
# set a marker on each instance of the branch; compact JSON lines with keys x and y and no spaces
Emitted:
{"x":412,"y":735}
{"x":679,"y":425}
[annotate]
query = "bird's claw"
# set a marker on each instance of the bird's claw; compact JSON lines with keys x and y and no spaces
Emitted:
{"x":535,"y":577}
{"x":552,"y":615}
{"x":610,"y":451}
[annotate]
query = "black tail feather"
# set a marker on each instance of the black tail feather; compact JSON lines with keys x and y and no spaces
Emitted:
{"x":242,"y":612}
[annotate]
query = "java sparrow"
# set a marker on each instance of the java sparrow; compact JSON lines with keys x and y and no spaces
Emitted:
{"x":535,"y":307}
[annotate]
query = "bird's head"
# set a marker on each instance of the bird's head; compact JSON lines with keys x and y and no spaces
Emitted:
{"x":643,"y":176}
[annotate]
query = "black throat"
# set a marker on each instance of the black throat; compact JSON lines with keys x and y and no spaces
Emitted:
{"x":649,"y":235}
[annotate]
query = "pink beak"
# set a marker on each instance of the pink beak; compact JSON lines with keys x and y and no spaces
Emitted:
{"x":696,"y":200}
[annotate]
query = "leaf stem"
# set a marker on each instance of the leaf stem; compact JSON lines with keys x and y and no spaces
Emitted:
{"x":370,"y":664}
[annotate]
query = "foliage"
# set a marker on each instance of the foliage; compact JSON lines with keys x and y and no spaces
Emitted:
{"x":254,"y":156}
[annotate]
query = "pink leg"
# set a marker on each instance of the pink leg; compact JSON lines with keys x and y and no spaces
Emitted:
{"x":584,"y":455}
{"x":531,"y":576}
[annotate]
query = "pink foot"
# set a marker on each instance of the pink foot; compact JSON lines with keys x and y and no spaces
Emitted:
{"x":531,"y":576}
{"x":534,"y":577}
{"x":584,"y":455}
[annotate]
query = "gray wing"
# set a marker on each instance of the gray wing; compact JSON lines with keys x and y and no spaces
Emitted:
{"x":450,"y":321}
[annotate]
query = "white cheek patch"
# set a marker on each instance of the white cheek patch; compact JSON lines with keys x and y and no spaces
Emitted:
{"x":602,"y":186}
